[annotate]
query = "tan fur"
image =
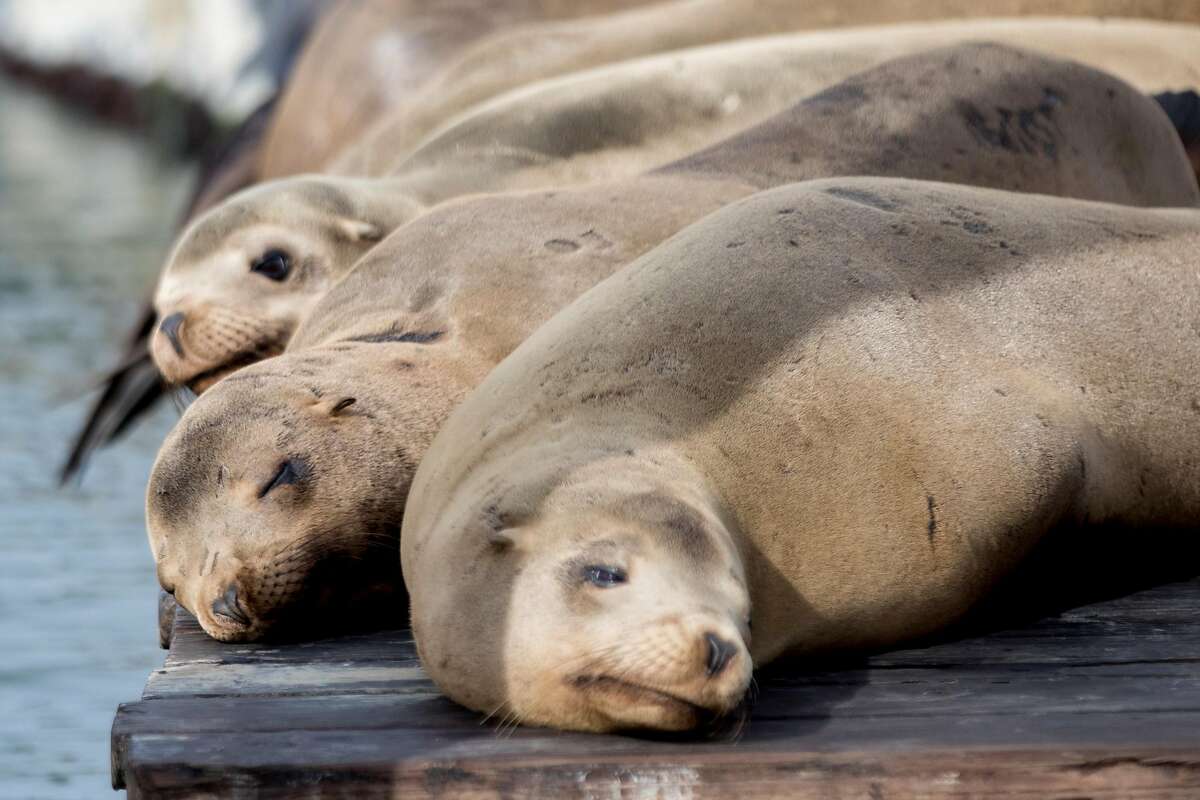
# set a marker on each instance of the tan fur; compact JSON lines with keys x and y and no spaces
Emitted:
{"x":232,"y":316}
{"x":365,"y":57}
{"x":608,"y":123}
{"x":425,"y":315}
{"x":522,"y":55}
{"x":866,"y":399}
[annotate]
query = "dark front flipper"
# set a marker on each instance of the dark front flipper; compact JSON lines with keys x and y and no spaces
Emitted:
{"x":129,"y":390}
{"x":1183,"y":109}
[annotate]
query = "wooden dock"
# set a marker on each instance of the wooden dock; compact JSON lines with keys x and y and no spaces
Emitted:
{"x":1102,"y":701}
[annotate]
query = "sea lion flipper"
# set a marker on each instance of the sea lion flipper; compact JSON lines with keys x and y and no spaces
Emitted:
{"x":1183,"y":109}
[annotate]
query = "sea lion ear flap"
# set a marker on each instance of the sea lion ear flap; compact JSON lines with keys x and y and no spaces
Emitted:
{"x":500,"y":528}
{"x":359,"y":230}
{"x":334,"y":406}
{"x":501,"y":540}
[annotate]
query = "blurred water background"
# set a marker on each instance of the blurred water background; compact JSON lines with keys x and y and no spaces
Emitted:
{"x":86,"y":214}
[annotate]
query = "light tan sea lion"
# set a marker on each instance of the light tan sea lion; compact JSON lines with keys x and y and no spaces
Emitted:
{"x":524,"y":54}
{"x":218,"y":312}
{"x":836,"y":412}
{"x":318,"y":445}
{"x":366,"y":57}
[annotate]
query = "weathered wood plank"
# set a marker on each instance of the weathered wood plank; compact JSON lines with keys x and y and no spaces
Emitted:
{"x":1101,"y":701}
{"x":855,"y":693}
{"x":678,"y":772}
{"x":192,"y":645}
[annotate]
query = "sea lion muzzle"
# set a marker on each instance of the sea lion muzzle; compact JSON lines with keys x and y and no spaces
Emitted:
{"x":227,"y":606}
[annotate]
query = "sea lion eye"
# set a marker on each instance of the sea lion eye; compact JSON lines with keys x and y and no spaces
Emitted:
{"x":273,"y":264}
{"x":604,"y":577}
{"x":289,"y":472}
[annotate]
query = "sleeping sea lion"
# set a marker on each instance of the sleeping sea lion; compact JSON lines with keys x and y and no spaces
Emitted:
{"x":318,"y":446}
{"x":828,"y":417}
{"x":367,"y":57}
{"x":523,"y":54}
{"x":219,"y":309}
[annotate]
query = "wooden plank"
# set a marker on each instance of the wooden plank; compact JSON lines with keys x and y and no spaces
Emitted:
{"x":694,"y":772}
{"x":1099,"y":701}
{"x":861,"y":693}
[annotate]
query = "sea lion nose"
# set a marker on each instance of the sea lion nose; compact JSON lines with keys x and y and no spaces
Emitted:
{"x":720,"y":653}
{"x":169,"y":327}
{"x":227,"y":606}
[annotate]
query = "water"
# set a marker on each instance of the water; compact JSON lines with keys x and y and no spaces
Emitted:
{"x":85,"y":216}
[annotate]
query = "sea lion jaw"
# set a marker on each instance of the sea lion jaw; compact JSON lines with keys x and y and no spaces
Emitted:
{"x":246,"y":273}
{"x":261,"y":516}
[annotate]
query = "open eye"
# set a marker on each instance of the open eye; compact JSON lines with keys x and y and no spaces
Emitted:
{"x":290,"y":471}
{"x":273,"y":264}
{"x":604,"y":577}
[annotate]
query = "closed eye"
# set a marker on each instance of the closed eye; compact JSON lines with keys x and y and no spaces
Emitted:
{"x":289,"y":472}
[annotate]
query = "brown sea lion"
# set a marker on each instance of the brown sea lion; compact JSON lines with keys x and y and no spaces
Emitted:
{"x":318,"y":446}
{"x":524,"y":54}
{"x":828,"y":417}
{"x":219,"y":308}
{"x":366,"y":57}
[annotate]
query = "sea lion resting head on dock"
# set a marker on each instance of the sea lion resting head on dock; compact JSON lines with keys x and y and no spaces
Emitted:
{"x":427,"y":313}
{"x":276,"y":510}
{"x":841,"y":410}
{"x":245,"y":273}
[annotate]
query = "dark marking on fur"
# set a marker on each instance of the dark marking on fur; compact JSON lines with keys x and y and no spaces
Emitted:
{"x":933,"y":521}
{"x":863,"y":197}
{"x":846,"y":94}
{"x":561,"y":246}
{"x":395,"y":334}
{"x":1024,"y":131}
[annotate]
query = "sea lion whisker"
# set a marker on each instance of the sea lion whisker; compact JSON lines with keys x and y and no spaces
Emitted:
{"x":492,"y":713}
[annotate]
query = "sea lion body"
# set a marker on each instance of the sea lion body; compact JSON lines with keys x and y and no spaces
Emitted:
{"x":850,"y":405}
{"x":367,"y":57}
{"x":428,"y":312}
{"x":1136,"y":50}
{"x":608,"y":123}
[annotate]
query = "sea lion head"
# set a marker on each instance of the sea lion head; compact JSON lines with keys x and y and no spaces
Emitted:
{"x":277,"y":500}
{"x":612,"y":604}
{"x":245,"y":273}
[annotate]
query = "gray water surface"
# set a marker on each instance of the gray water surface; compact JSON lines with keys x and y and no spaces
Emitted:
{"x":86,"y":214}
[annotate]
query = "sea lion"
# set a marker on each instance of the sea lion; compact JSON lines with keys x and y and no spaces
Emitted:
{"x":367,"y":57}
{"x":319,"y":445}
{"x":523,"y":54}
{"x":610,"y":122}
{"x":834,"y":413}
